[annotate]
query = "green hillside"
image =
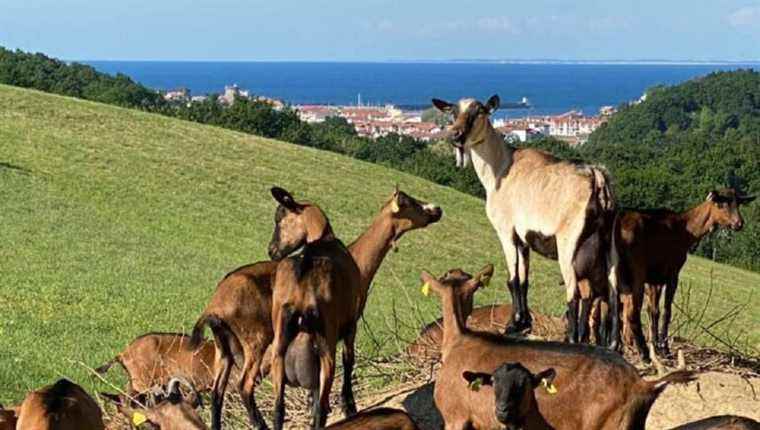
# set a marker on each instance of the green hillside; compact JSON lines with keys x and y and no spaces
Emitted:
{"x":116,"y":222}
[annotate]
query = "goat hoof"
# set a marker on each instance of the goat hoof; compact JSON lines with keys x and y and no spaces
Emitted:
{"x":518,"y":328}
{"x":614,"y":346}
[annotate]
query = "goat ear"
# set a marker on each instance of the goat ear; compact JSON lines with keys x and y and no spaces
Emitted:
{"x":285,"y":199}
{"x":493,"y":104}
{"x":484,"y":276}
{"x":443,"y":106}
{"x":546,"y":375}
{"x":476,"y":379}
{"x":429,"y":281}
{"x":743,"y":200}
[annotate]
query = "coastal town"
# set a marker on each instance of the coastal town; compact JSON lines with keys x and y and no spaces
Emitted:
{"x":572,"y":127}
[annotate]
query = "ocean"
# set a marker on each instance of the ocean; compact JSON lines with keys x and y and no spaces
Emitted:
{"x":550,"y":88}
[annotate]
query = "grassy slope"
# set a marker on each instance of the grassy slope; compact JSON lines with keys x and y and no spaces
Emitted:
{"x":117,"y":222}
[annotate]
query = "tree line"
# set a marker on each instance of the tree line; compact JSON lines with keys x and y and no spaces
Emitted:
{"x":668,"y":151}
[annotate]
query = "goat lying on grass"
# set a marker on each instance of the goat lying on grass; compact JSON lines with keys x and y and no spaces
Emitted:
{"x":61,"y":406}
{"x":722,"y":422}
{"x":376,"y":419}
{"x":154,"y":358}
{"x":167,"y":411}
{"x":597,"y":389}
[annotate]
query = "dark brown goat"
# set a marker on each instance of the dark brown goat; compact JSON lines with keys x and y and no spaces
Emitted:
{"x":376,"y":419}
{"x":596,"y":388}
{"x":722,"y":422}
{"x":168,"y":411}
{"x":154,"y":358}
{"x":652,"y":247}
{"x":61,"y":406}
{"x":317,"y":292}
{"x":513,"y":388}
{"x":8,"y":418}
{"x":239,"y":313}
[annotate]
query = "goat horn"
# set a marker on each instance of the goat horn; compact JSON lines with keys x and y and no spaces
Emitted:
{"x":173,"y":387}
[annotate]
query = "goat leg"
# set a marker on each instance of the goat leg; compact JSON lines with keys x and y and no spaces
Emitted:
{"x":347,"y":391}
{"x":326,"y":377}
{"x":670,"y":293}
{"x":583,"y":320}
{"x":572,"y":320}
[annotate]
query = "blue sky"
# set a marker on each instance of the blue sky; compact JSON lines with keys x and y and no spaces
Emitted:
{"x":383,"y":29}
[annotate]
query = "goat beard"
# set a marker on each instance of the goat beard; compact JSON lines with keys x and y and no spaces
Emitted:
{"x":462,"y":156}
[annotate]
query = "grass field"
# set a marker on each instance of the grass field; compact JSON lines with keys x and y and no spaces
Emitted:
{"x":116,"y":223}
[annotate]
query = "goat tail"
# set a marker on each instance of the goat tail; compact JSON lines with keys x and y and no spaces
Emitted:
{"x":196,"y":337}
{"x":677,"y":377}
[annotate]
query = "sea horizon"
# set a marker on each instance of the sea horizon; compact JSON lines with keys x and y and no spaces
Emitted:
{"x":551,"y":88}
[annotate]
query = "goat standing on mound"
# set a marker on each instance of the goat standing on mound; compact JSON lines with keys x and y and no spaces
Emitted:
{"x":651,"y":247}
{"x":61,"y":406}
{"x":316,"y":292}
{"x":240,"y":311}
{"x":596,"y":388}
{"x":535,"y":201}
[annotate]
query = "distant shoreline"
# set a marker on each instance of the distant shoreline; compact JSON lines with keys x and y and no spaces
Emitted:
{"x":544,"y":62}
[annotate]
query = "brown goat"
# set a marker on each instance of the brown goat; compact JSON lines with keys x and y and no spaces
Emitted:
{"x":154,"y":358}
{"x":61,"y":406}
{"x":8,"y":418}
{"x":317,"y":292}
{"x":239,"y":313}
{"x":489,"y":318}
{"x":169,"y":411}
{"x":596,"y":388}
{"x":721,"y":422}
{"x":515,"y":401}
{"x":651,"y":248}
{"x":376,"y":419}
{"x":538,"y":202}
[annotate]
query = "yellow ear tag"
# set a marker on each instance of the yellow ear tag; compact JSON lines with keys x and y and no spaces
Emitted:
{"x":475,"y":385}
{"x":549,"y":387}
{"x":425,"y":289}
{"x":394,"y":206}
{"x":138,"y":418}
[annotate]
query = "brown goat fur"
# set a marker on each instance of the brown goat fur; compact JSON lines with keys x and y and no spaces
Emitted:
{"x":596,"y":388}
{"x":651,"y":248}
{"x":239,"y":312}
{"x":8,"y":418}
{"x":376,"y":419}
{"x":169,"y":411}
{"x":490,"y":319}
{"x":317,"y":292}
{"x":538,"y":202}
{"x":61,"y":406}
{"x":154,"y":358}
{"x":721,"y":422}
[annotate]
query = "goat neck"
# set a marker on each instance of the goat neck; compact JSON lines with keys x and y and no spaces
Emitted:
{"x":698,"y":222}
{"x":369,"y":249}
{"x":491,"y":157}
{"x":453,"y":322}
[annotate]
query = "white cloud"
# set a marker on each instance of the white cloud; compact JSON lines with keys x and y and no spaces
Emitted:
{"x":746,"y":17}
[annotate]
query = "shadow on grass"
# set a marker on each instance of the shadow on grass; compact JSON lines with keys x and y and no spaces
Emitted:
{"x":13,"y":167}
{"x":421,"y":406}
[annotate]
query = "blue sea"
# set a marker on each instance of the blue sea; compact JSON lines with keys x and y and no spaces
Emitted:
{"x":551,"y":88}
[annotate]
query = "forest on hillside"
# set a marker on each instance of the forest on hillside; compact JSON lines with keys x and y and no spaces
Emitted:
{"x":668,"y":151}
